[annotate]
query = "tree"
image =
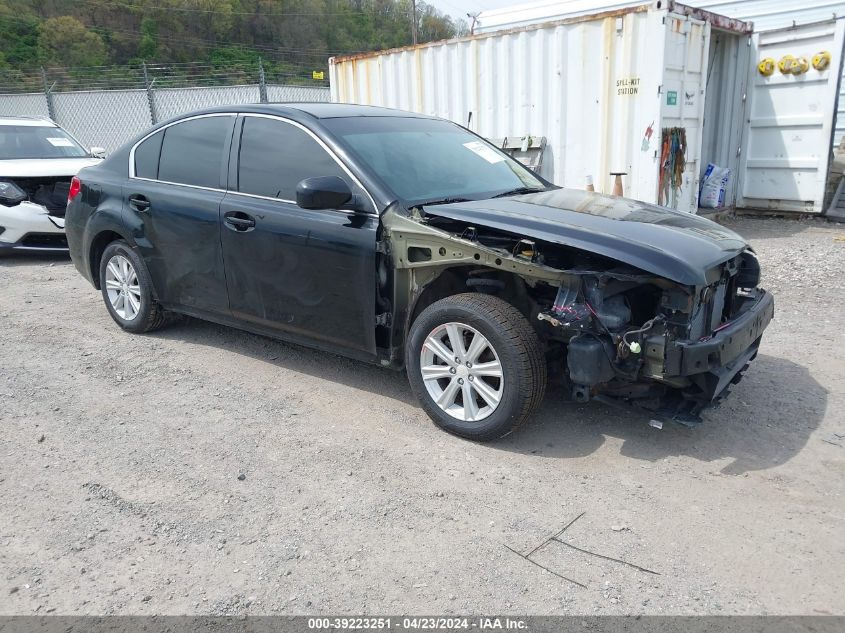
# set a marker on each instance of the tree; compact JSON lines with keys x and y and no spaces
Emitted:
{"x":148,"y":46}
{"x":65,"y":41}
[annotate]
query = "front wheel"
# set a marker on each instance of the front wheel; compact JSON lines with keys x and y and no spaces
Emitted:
{"x":476,"y":365}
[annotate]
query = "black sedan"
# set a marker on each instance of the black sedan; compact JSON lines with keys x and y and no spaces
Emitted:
{"x":409,"y":241}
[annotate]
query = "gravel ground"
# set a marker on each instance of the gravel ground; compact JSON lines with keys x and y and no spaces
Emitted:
{"x":204,"y":470}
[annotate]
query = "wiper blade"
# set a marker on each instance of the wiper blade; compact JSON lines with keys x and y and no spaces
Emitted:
{"x":517,"y":191}
{"x":442,"y":201}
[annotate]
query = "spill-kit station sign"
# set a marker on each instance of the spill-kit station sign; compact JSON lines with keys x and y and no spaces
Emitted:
{"x":628,"y":86}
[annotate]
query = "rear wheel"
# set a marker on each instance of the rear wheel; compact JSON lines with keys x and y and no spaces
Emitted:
{"x":476,"y":365}
{"x":127,"y":290}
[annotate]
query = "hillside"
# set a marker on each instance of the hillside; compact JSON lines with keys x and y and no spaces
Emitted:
{"x":290,"y":35}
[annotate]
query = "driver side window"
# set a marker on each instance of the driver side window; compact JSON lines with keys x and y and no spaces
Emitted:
{"x":274,"y":156}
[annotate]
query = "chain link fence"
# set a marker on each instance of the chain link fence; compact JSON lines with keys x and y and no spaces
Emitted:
{"x":105,"y":107}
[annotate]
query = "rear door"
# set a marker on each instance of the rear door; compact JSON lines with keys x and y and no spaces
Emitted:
{"x":791,"y":122}
{"x":307,"y":273}
{"x":172,"y":204}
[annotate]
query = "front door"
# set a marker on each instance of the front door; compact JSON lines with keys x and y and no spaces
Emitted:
{"x":307,"y":273}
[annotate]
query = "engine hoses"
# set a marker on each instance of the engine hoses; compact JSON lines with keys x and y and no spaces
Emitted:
{"x":634,"y":347}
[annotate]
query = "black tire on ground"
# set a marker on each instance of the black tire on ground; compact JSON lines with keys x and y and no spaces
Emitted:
{"x":151,"y":316}
{"x":514,"y":341}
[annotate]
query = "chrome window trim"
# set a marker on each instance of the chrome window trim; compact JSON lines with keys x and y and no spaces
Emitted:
{"x":320,"y":142}
{"x":293,"y":202}
{"x":179,"y":184}
{"x":161,"y":129}
{"x":276,"y":117}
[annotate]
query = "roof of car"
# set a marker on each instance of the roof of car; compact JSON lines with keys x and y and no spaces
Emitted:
{"x":318,"y":110}
{"x":26,"y":120}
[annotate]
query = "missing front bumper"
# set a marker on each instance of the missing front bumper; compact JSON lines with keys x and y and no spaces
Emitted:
{"x":711,"y":366}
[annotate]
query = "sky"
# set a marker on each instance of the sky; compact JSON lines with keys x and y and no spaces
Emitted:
{"x":460,"y":8}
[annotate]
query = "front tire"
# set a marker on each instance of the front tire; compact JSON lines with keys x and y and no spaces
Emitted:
{"x":127,"y":290}
{"x":476,"y":365}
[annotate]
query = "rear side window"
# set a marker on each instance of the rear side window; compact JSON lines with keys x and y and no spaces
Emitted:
{"x":192,"y":152}
{"x":275,"y":156}
{"x":146,"y":156}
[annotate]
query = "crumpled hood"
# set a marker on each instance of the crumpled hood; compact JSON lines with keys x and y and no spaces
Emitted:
{"x":673,"y":244}
{"x":44,"y":167}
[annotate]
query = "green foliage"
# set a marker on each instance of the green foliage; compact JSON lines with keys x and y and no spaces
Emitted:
{"x":148,"y":46}
{"x":66,"y":41}
{"x":292,"y":36}
{"x":18,"y":37}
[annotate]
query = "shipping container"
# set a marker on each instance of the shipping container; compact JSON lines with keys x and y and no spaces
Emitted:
{"x":766,"y":15}
{"x":608,"y":89}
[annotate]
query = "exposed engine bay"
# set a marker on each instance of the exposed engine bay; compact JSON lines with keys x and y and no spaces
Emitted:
{"x":50,"y":192}
{"x":613,"y":332}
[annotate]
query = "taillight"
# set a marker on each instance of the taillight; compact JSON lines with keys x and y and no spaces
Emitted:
{"x":75,"y":188}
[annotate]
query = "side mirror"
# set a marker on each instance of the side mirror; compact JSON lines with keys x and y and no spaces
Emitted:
{"x":323,"y":192}
{"x":98,"y":152}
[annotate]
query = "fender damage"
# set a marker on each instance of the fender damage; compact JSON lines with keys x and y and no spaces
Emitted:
{"x":638,"y":306}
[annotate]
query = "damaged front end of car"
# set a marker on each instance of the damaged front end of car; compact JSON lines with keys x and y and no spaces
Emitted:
{"x":612,"y":331}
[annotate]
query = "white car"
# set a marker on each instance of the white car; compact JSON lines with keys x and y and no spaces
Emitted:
{"x":38,"y":159}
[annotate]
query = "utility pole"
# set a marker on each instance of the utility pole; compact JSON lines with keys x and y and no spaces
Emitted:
{"x":474,"y":18}
{"x":414,"y":20}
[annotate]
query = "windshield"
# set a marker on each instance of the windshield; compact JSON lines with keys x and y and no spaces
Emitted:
{"x":37,"y":141}
{"x":429,"y":160}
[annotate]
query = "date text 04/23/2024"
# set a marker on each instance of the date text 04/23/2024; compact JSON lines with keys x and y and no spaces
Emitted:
{"x":416,"y":624}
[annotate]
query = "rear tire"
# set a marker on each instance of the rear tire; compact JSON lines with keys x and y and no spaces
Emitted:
{"x":488,"y":386}
{"x":127,"y":290}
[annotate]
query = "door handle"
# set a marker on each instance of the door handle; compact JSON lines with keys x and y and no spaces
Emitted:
{"x":238,"y":221}
{"x":139,"y":203}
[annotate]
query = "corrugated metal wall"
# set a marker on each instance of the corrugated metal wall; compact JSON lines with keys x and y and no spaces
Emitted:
{"x":775,"y":14}
{"x":589,"y":87}
{"x":765,"y":14}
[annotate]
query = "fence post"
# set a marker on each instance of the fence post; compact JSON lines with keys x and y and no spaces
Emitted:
{"x":262,"y":84}
{"x":48,"y":94}
{"x":148,"y":86}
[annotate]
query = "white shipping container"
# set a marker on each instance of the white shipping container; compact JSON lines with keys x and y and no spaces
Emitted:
{"x":599,"y":87}
{"x":765,"y":14}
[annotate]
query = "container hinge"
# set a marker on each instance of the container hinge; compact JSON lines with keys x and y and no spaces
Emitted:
{"x":659,"y":90}
{"x":382,"y":247}
{"x":383,"y":318}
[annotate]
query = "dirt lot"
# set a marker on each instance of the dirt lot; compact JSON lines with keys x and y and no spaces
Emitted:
{"x":205,"y":470}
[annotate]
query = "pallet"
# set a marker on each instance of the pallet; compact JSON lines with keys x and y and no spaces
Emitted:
{"x":532,"y":157}
{"x":836,"y":210}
